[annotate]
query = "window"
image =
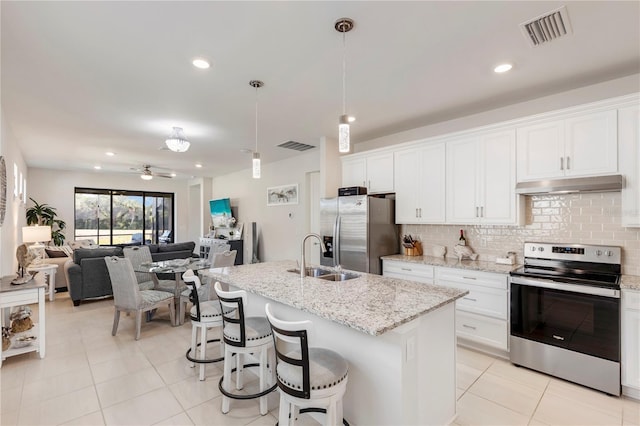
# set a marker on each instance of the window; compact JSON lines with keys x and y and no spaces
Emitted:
{"x":110,"y":216}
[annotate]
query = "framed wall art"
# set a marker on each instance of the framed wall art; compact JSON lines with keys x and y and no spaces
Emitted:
{"x":282,"y":195}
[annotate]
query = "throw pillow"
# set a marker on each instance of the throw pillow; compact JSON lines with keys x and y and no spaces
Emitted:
{"x":51,"y":252}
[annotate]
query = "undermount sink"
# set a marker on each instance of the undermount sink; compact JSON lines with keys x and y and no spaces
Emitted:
{"x":325,"y":274}
{"x":312,"y":272}
{"x":343,"y":276}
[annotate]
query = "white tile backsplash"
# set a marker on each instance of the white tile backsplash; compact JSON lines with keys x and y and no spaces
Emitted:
{"x":592,"y":218}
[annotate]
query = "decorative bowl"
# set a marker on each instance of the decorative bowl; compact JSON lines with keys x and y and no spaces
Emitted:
{"x":22,"y":341}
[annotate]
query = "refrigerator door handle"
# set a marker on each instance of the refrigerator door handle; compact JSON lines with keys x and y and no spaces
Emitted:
{"x":336,"y":242}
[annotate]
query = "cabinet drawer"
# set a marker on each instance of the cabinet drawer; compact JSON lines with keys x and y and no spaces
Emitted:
{"x":475,"y":278}
{"x":631,"y":299}
{"x":488,"y":331}
{"x":408,"y":271}
{"x":484,"y":301}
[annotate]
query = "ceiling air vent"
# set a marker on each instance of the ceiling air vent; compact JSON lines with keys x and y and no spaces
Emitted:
{"x":296,"y":146}
{"x":547,"y":27}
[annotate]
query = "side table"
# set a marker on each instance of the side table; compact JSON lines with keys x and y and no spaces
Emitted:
{"x":18,"y":295}
{"x":49,"y":270}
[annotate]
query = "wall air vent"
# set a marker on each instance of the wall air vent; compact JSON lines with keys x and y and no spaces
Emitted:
{"x":547,"y":27}
{"x":296,"y":146}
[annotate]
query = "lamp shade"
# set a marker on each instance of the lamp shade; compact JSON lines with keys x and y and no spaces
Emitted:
{"x":36,"y":234}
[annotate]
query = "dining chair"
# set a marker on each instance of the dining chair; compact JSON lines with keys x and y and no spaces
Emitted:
{"x":128,"y":297}
{"x":225,"y":259}
{"x":138,"y":255}
{"x":217,"y":259}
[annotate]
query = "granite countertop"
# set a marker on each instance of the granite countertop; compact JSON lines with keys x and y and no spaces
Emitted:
{"x":630,"y":282}
{"x":453,"y":262}
{"x":370,"y":303}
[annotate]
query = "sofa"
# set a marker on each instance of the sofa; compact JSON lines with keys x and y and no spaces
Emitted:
{"x":88,"y":276}
{"x":52,"y":255}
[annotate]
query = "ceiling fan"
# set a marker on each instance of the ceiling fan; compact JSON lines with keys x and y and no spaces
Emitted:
{"x":147,"y":174}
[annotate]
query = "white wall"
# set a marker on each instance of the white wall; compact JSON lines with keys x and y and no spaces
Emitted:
{"x":14,"y":219}
{"x":583,"y":95}
{"x":280,"y":228}
{"x":56,"y":188}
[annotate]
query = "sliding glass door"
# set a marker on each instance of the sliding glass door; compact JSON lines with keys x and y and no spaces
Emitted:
{"x":110,"y":216}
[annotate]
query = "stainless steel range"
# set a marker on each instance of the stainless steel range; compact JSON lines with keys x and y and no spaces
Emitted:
{"x":565,"y":313}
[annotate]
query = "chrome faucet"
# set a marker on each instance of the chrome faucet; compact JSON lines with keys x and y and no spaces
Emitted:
{"x":303,"y":260}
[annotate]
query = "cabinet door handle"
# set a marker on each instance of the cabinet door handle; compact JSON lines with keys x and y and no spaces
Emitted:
{"x":468,"y":326}
{"x":407,"y":269}
{"x":364,"y":183}
{"x":561,"y":163}
{"x":369,"y":186}
{"x":568,"y":164}
{"x":417,"y":213}
{"x":476,"y":211}
{"x":420,"y":211}
{"x":470,"y":299}
{"x":481,"y":211}
{"x":469,"y":278}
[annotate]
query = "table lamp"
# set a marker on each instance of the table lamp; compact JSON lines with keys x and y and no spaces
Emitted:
{"x":37,"y":235}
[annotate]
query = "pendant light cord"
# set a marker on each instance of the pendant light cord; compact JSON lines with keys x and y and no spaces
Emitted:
{"x":344,"y":73}
{"x":256,"y":119}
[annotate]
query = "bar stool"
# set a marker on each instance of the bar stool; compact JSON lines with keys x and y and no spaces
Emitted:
{"x":309,"y":379}
{"x":244,"y":335}
{"x":205,"y":314}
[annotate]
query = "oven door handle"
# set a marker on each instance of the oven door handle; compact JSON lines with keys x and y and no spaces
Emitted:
{"x":538,"y":282}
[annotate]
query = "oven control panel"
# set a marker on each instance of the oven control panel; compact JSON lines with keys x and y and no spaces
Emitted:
{"x":579,"y":252}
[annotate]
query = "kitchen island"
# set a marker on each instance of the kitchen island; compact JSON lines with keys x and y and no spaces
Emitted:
{"x":397,"y":336}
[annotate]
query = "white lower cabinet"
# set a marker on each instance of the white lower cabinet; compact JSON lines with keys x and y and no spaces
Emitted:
{"x":631,"y":343}
{"x":482,"y":316}
{"x":408,"y":271}
{"x":487,"y":331}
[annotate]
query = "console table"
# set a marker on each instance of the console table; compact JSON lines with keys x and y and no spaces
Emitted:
{"x":18,"y":295}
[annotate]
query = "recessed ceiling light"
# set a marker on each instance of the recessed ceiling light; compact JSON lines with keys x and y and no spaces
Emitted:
{"x":110,"y":154}
{"x":502,"y":68}
{"x":200,"y":63}
{"x":351,"y":119}
{"x":173,"y":175}
{"x":97,"y":167}
{"x":198,"y":165}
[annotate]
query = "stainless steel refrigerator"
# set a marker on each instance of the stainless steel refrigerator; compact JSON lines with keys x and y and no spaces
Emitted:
{"x":357,"y":230}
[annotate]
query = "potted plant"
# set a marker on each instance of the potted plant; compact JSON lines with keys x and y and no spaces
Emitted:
{"x":44,"y":214}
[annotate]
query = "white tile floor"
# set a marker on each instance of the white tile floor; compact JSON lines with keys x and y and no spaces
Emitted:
{"x":89,"y":377}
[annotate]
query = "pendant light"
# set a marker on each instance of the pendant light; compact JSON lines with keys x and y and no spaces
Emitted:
{"x":344,"y":25}
{"x":177,"y":142}
{"x":256,"y":155}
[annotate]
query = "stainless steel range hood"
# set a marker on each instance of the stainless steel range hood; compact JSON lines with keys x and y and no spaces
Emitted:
{"x":565,"y":186}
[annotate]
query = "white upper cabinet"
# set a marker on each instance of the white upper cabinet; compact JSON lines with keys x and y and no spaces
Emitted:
{"x":583,"y":145}
{"x":420,"y":186}
{"x":374,"y":172}
{"x":481,"y":179}
{"x":629,"y":146}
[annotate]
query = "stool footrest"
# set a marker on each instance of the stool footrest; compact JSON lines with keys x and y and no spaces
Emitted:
{"x":249,"y":396}
{"x":318,"y":410}
{"x":203,"y":361}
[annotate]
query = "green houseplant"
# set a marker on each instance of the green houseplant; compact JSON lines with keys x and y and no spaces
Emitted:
{"x":44,"y":214}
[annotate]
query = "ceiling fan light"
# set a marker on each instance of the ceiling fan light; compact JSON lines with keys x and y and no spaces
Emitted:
{"x":146,"y":176}
{"x":177,"y":141}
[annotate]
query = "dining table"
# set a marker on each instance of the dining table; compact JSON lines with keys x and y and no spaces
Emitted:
{"x":177,"y":267}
